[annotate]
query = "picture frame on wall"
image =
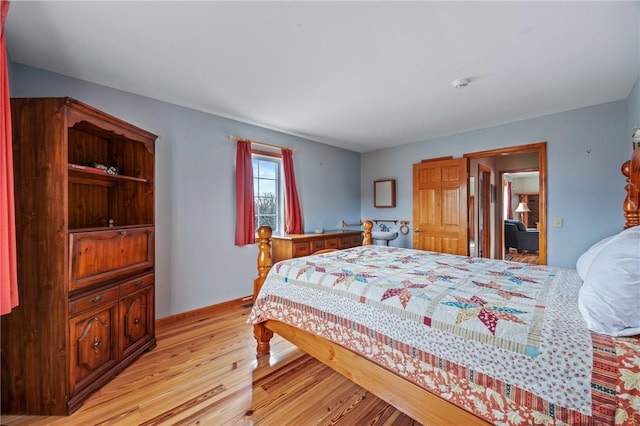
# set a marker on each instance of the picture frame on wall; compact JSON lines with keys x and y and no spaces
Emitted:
{"x":384,"y":193}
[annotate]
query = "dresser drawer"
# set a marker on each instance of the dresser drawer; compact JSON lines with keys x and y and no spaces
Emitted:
{"x":345,"y":242}
{"x":301,"y":249}
{"x":96,"y":299}
{"x":102,"y":255}
{"x":317,"y":245}
{"x":292,"y":246}
{"x":333,"y":243}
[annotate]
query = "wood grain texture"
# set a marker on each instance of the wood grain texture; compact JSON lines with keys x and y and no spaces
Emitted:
{"x":440,"y":206}
{"x":38,"y":328}
{"x":297,"y":245}
{"x":77,"y":324}
{"x":631,"y":205}
{"x":204,"y":371}
{"x":400,"y":393}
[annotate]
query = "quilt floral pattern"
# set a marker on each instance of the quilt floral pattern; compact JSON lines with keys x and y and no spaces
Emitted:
{"x":628,"y":383}
{"x":483,"y":334}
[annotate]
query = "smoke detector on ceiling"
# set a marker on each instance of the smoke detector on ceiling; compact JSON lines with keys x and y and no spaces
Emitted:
{"x":460,"y":83}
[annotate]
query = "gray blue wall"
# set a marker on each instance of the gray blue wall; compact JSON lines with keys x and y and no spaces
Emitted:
{"x":197,"y":263}
{"x":586,"y":189}
{"x":633,"y":110}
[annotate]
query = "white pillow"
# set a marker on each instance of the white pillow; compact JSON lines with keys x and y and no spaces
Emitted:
{"x":584,"y":262}
{"x":609,"y":299}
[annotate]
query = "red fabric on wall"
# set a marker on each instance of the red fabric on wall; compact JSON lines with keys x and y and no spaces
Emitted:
{"x":8,"y":265}
{"x":245,"y":207}
{"x":293,"y":223}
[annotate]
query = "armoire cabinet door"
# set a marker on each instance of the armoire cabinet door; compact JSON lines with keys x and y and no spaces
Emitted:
{"x":137,"y":320}
{"x":93,"y":338}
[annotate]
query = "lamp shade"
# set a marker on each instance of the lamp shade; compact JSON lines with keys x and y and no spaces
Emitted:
{"x":522,"y":208}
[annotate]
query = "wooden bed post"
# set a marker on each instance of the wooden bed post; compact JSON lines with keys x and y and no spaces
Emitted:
{"x":631,"y":205}
{"x":262,"y":334}
{"x":264,"y":258}
{"x":367,"y":225}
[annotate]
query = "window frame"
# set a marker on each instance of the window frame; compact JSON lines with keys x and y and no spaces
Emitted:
{"x":280,"y":211}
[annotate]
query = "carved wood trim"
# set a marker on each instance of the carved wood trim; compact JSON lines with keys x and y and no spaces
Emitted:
{"x":631,"y":204}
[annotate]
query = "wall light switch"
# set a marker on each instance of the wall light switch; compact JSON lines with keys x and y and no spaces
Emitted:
{"x":557,"y":222}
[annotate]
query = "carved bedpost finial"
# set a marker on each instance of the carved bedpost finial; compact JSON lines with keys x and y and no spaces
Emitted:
{"x":631,"y":204}
{"x":368,"y":226}
{"x":264,"y":258}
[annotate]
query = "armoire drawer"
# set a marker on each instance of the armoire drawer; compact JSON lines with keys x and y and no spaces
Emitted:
{"x":97,"y":256}
{"x":93,"y":300}
{"x":135,"y":284}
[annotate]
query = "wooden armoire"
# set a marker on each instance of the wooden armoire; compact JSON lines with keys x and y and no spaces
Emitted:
{"x":84,"y":198}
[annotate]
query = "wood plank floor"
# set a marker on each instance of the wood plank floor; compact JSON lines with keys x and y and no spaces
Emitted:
{"x":526,"y":257}
{"x":204,"y":372}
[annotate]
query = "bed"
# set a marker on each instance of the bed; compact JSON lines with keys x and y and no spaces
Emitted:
{"x":460,"y":340}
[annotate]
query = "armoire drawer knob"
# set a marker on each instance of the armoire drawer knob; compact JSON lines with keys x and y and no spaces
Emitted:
{"x":96,"y":344}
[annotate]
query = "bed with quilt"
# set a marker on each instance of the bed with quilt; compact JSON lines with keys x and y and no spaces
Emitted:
{"x":460,"y":340}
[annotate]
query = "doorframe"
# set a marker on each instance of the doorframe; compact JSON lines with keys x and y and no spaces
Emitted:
{"x":485,"y":199}
{"x":541,"y":149}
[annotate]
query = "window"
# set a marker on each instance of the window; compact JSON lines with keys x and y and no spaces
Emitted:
{"x":266,"y":192}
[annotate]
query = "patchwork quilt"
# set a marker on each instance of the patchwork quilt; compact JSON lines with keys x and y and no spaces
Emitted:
{"x":503,"y":340}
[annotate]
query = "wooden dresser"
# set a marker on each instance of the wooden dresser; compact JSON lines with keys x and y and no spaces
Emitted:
{"x":298,"y":245}
{"x":85,"y":245}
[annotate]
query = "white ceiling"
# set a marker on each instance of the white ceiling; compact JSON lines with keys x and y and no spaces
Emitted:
{"x":359,"y":75}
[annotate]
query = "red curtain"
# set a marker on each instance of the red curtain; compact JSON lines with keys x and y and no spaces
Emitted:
{"x":508,"y":201}
{"x":245,"y":208}
{"x":8,"y":268}
{"x":293,"y":223}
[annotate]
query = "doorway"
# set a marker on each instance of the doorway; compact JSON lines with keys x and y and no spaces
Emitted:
{"x":521,"y":208}
{"x":538,"y":155}
{"x":440,"y":202}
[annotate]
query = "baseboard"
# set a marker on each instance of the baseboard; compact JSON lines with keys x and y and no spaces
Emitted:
{"x":161,"y":322}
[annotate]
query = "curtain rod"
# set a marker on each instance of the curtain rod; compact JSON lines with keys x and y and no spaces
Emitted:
{"x":235,"y":139}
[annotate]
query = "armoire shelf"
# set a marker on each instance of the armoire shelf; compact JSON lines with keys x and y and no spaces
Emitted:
{"x":92,"y":176}
{"x":110,"y":228}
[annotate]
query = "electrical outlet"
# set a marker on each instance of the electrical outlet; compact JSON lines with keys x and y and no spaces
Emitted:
{"x":557,"y":222}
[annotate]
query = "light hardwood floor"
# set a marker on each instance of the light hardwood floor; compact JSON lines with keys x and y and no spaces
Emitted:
{"x":204,"y":372}
{"x":526,"y":257}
